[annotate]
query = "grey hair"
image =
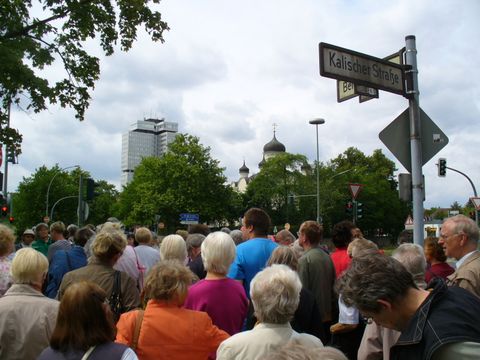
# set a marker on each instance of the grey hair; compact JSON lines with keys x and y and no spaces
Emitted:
{"x":194,"y":241}
{"x":173,"y":248}
{"x":218,"y":252}
{"x":412,"y":256}
{"x":361,"y":246}
{"x":275,"y":294}
{"x":237,"y":236}
{"x":463,"y":224}
{"x":285,"y":236}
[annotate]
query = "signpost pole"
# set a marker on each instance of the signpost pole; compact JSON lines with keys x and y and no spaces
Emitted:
{"x":415,"y":140}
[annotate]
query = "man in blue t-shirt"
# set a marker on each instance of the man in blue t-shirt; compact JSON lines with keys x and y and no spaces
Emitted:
{"x":253,"y":254}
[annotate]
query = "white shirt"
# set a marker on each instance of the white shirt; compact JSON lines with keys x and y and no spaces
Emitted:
{"x":463,"y":259}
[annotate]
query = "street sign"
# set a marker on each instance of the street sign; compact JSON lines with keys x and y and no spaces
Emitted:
{"x":396,"y":137}
{"x":189,"y":218}
{"x":345,"y":90}
{"x":476,"y":202}
{"x":355,"y":189}
{"x":348,"y":65}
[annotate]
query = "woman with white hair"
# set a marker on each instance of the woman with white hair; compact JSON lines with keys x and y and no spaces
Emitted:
{"x":222,"y":298}
{"x":173,"y":247}
{"x":107,"y":248}
{"x":27,"y":317}
{"x":275,"y":293}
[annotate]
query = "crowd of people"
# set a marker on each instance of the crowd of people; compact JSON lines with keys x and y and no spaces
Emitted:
{"x":98,"y":293}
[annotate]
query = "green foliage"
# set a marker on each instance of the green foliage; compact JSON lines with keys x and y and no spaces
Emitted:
{"x":28,"y":45}
{"x":185,"y":180}
{"x":29,"y":202}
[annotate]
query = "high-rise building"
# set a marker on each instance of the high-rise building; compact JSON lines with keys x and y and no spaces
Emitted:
{"x":148,"y":137}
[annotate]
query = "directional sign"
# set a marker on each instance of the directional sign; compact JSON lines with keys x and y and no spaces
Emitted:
{"x":344,"y":64}
{"x":396,"y":137}
{"x":355,"y":190}
{"x":476,"y":202}
{"x":189,"y":218}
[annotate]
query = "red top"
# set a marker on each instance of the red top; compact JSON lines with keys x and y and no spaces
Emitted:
{"x":341,"y":260}
{"x":441,"y":270}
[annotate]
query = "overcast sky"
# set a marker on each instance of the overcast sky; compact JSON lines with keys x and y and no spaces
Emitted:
{"x":228,"y":70}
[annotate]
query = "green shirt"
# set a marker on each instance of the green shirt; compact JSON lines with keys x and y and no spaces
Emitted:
{"x":42,"y":246}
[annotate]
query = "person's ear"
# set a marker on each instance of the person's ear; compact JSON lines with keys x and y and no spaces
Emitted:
{"x":385,"y":305}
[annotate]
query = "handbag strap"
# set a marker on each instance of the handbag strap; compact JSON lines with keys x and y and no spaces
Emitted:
{"x":87,"y":354}
{"x":117,"y":286}
{"x":136,"y":332}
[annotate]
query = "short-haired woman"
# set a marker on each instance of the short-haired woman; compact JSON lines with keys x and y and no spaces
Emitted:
{"x":167,"y":330}
{"x":107,"y":248}
{"x":222,"y":298}
{"x":436,"y":258}
{"x":7,"y":241}
{"x":275,"y":293}
{"x":85,"y":327}
{"x":173,"y":247}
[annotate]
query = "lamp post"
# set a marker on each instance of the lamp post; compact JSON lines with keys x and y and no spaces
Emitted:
{"x":50,"y":184}
{"x":317,"y":122}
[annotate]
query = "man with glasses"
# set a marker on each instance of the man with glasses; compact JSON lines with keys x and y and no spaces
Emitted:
{"x":459,"y":238}
{"x":437,"y":324}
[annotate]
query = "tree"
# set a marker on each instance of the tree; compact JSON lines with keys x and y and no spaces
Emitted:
{"x":184,"y":180}
{"x":29,"y":202}
{"x":29,"y":44}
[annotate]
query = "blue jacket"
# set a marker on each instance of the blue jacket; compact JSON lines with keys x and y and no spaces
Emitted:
{"x":63,"y":262}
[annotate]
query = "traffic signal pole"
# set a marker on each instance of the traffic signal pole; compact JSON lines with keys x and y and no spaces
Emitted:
{"x":415,"y":139}
{"x":473,"y":187}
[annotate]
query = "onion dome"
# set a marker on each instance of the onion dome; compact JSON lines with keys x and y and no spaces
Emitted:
{"x":261,"y":163}
{"x":274,"y":146}
{"x":244,"y":168}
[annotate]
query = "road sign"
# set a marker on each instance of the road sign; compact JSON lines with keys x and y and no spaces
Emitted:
{"x":189,"y":218}
{"x":348,"y":65}
{"x":345,"y":90}
{"x":476,"y":202}
{"x":355,"y":189}
{"x":396,"y":137}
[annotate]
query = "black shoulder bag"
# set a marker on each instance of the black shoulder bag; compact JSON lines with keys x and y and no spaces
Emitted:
{"x":115,"y":299}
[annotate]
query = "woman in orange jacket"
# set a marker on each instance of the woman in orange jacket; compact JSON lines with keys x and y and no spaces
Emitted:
{"x":167,"y":330}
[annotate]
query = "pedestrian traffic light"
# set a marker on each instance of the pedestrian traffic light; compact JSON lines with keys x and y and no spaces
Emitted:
{"x":349,"y":208}
{"x":442,"y":167}
{"x":11,"y":158}
{"x":4,"y":210}
{"x":359,"y":210}
{"x":11,"y":219}
{"x":91,"y":185}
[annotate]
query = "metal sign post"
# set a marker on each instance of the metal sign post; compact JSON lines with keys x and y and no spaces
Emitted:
{"x":415,"y":140}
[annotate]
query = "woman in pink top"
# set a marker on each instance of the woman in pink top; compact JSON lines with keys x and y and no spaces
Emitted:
{"x":222,"y":298}
{"x":436,"y":258}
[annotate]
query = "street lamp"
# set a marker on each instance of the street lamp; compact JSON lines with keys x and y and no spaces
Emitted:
{"x":317,"y":122}
{"x":50,"y":184}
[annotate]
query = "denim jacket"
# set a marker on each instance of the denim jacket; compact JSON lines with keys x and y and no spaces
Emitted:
{"x":448,"y":315}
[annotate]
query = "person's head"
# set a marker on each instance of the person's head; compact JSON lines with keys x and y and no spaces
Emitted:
{"x":255,"y":223}
{"x":82,"y":235}
{"x":225,"y":230}
{"x":361,"y":246}
{"x":218,"y":252}
{"x":183,"y":233}
{"x":109,"y":245}
{"x":173,"y":247}
{"x":71,"y":230}
{"x":194,"y":241}
{"x":7,"y":240}
{"x":168,"y":281}
{"x":405,"y":236}
{"x":199,"y":229}
{"x":237,"y":236}
{"x":412,"y":257}
{"x":275,"y":294}
{"x":143,"y":236}
{"x":41,"y":230}
{"x":433,"y":250}
{"x":84,"y":319}
{"x":310,"y":234}
{"x":28,"y":236}
{"x":294,"y":350}
{"x":357,"y":233}
{"x":342,"y":233}
{"x":284,"y":237}
{"x":57,"y":230}
{"x":29,"y":267}
{"x":377,"y":286}
{"x":285,"y":255}
{"x":459,"y":236}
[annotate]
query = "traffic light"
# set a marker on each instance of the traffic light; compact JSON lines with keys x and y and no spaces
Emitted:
{"x":91,"y":185}
{"x":11,"y":219}
{"x":4,"y":210}
{"x":442,"y":167}
{"x":359,"y":210}
{"x":472,"y":215}
{"x":11,"y":156}
{"x":349,"y":208}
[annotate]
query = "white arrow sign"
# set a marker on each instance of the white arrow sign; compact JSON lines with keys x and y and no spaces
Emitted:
{"x":476,"y":202}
